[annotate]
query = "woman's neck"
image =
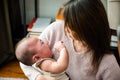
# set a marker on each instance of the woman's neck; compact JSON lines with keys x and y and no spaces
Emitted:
{"x":79,"y":47}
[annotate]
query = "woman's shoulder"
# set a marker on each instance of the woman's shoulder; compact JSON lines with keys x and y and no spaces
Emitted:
{"x":108,"y":62}
{"x":109,"y":59}
{"x":108,"y":68}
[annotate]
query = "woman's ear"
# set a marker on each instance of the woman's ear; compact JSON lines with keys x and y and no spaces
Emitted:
{"x":35,"y":58}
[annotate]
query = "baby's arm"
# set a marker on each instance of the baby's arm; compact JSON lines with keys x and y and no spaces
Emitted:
{"x":61,"y":64}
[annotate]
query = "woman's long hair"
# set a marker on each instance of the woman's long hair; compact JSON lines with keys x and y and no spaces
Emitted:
{"x":88,"y":21}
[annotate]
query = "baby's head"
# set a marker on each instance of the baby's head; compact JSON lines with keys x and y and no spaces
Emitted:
{"x":30,"y":50}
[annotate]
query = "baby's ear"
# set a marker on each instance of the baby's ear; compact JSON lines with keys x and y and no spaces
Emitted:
{"x":35,"y":58}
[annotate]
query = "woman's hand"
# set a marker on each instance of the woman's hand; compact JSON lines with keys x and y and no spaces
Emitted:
{"x":44,"y":77}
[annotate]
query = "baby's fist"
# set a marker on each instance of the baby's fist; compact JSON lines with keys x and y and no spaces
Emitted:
{"x":59,"y":45}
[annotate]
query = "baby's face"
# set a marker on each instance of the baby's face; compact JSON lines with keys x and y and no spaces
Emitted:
{"x":42,"y":49}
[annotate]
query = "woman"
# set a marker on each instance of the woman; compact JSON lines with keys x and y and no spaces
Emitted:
{"x":86,"y":34}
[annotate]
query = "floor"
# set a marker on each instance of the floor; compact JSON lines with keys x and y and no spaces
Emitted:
{"x":12,"y":70}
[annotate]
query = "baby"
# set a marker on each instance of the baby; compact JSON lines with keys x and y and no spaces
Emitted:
{"x":35,"y":52}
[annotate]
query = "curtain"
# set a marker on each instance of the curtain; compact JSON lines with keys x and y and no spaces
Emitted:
{"x":10,"y":27}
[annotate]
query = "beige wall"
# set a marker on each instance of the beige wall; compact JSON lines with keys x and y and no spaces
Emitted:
{"x":104,"y":3}
{"x":46,"y":8}
{"x":114,"y":13}
{"x":49,"y":8}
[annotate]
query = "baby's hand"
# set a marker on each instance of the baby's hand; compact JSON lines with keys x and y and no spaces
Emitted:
{"x":59,"y":46}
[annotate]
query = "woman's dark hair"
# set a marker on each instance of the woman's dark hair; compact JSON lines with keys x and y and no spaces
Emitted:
{"x":88,"y":21}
